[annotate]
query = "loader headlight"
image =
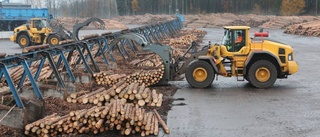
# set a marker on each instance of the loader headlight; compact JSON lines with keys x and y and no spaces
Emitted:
{"x":290,"y":57}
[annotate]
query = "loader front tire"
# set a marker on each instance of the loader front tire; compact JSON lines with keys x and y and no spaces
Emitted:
{"x":23,"y":41}
{"x":200,"y":74}
{"x":262,"y":74}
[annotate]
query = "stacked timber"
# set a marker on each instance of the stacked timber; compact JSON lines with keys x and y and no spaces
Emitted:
{"x":108,"y":79}
{"x":146,"y":77}
{"x":117,"y":115}
{"x":132,"y":93}
{"x":148,"y":61}
{"x":183,"y":40}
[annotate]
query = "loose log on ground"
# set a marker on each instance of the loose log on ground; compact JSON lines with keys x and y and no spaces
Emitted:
{"x":163,"y":124}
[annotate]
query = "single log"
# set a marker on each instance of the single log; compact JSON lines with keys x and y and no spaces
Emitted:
{"x":127,"y":131}
{"x":80,"y":93}
{"x":152,"y":124}
{"x":84,"y":98}
{"x":118,"y":85}
{"x":89,"y":36}
{"x":66,"y":41}
{"x":99,"y":123}
{"x":154,"y":96}
{"x":160,"y":98}
{"x":121,"y":87}
{"x":145,"y":93}
{"x":135,"y":88}
{"x":149,"y":120}
{"x":123,"y":92}
{"x":130,"y":88}
{"x":148,"y":98}
{"x":163,"y":124}
{"x":141,"y":102}
{"x":156,"y":126}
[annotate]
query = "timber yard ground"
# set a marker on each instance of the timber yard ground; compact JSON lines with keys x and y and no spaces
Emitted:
{"x":232,"y":108}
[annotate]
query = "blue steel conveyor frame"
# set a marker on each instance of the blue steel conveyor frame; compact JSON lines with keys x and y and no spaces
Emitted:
{"x":145,"y":36}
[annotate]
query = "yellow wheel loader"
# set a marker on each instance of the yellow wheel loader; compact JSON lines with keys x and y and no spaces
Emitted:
{"x":258,"y":60}
{"x":40,"y":31}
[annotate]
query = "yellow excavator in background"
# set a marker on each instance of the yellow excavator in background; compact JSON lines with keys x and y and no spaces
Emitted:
{"x":41,"y":31}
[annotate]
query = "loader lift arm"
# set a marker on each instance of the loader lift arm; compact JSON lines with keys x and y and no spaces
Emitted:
{"x":173,"y":69}
{"x":163,"y":51}
{"x":79,"y":26}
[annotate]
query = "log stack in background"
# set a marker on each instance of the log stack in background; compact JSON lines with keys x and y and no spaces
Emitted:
{"x":117,"y":115}
{"x":308,"y":29}
{"x":181,"y":43}
{"x":132,"y":93}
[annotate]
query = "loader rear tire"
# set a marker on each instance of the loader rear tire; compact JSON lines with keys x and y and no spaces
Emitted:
{"x":23,"y":41}
{"x":262,"y":74}
{"x":200,"y":74}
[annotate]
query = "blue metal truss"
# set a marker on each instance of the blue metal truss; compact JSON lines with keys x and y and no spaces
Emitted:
{"x":152,"y":33}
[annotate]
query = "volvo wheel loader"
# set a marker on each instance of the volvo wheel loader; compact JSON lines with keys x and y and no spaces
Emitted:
{"x":259,"y":60}
{"x":40,"y":31}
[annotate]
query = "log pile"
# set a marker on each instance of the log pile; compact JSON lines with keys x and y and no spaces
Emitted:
{"x":146,"y":77}
{"x":117,"y":115}
{"x":132,"y":93}
{"x":46,"y":70}
{"x":17,"y":72}
{"x":307,"y":29}
{"x":183,"y":41}
{"x":151,"y":60}
{"x":180,"y":44}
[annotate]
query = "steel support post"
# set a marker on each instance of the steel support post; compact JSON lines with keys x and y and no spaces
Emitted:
{"x":36,"y":77}
{"x":67,"y":67}
{"x":101,"y":52}
{"x":54,"y":68}
{"x":23,"y":77}
{"x":86,"y":46}
{"x":5,"y":72}
{"x":84,"y":61}
{"x":33,"y":82}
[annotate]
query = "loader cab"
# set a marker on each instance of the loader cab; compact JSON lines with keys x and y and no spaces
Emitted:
{"x":235,"y":37}
{"x":38,"y":24}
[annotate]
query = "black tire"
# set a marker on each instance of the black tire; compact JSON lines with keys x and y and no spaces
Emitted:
{"x":23,"y":41}
{"x":203,"y":66}
{"x":262,"y":74}
{"x":53,"y":40}
{"x":247,"y":79}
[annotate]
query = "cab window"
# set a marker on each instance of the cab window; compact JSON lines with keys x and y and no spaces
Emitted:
{"x":239,"y":39}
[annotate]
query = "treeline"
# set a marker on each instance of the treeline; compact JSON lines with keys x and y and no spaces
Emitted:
{"x":111,"y":8}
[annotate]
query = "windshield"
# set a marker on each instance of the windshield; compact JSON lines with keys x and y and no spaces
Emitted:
{"x":44,"y":23}
{"x":226,"y":38}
